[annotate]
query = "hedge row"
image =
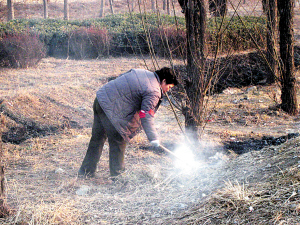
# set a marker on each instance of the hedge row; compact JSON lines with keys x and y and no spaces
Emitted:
{"x":131,"y":34}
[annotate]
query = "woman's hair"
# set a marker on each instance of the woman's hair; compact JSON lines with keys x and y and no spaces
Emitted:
{"x":168,"y":74}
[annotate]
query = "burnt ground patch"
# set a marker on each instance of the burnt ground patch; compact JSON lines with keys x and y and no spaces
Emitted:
{"x":241,"y":147}
{"x":21,"y":132}
{"x":20,"y":129}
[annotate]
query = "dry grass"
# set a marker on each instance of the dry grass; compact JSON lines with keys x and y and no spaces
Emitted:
{"x":262,"y":188}
{"x":42,"y":172}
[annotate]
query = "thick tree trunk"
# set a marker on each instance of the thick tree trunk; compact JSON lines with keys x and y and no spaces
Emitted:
{"x":66,"y":10}
{"x":270,"y":9}
{"x":195,"y":15}
{"x":10,"y":8}
{"x":286,"y":39}
{"x":45,"y":9}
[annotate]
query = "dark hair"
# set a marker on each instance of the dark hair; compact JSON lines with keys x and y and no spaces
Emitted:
{"x":168,"y":74}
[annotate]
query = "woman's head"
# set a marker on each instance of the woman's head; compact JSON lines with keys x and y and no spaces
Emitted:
{"x":168,"y":75}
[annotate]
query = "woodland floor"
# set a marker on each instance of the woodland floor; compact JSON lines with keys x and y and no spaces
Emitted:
{"x":226,"y":187}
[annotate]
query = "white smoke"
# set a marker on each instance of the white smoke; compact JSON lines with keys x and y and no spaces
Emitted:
{"x":190,"y":159}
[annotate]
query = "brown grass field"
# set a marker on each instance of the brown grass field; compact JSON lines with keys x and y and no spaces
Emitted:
{"x":42,"y":186}
{"x":257,"y":187}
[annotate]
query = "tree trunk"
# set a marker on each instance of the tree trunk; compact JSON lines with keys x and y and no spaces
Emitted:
{"x":270,"y":9}
{"x":2,"y":185}
{"x":10,"y":8}
{"x":168,"y":7}
{"x":195,"y":16}
{"x":45,"y":9}
{"x":111,"y":6}
{"x":153,"y":5}
{"x":286,"y":40}
{"x":102,"y":3}
{"x":130,"y":4}
{"x":4,"y":209}
{"x":66,"y":10}
{"x":218,"y":7}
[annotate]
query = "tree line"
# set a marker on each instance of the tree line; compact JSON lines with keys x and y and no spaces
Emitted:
{"x":166,"y":5}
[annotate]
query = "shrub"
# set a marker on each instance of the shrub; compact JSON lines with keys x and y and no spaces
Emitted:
{"x":21,"y":50}
{"x":128,"y":42}
{"x":88,"y":43}
{"x":124,"y":34}
{"x":168,"y":41}
{"x":235,"y":34}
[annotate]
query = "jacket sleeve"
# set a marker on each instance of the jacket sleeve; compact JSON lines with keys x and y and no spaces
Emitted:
{"x":147,"y":112}
{"x":147,"y":121}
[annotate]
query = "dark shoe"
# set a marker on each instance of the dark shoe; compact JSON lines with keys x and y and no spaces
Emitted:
{"x":84,"y":173}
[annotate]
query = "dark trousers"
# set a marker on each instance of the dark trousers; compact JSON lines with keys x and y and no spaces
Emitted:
{"x":103,"y":129}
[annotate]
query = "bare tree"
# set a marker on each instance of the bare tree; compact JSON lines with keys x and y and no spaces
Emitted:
{"x":153,"y":5}
{"x":270,"y":9}
{"x":195,"y":16}
{"x":130,"y":4}
{"x":218,"y":7}
{"x":102,"y":3}
{"x":45,"y":3}
{"x":66,"y":10}
{"x":166,"y":6}
{"x":286,"y":41}
{"x":10,"y":7}
{"x":111,"y":6}
{"x":2,"y":184}
{"x":4,"y":209}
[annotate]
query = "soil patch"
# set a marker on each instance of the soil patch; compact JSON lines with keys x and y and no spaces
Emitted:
{"x":252,"y":144}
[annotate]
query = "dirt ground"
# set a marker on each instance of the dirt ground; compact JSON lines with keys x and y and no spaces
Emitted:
{"x":258,"y":187}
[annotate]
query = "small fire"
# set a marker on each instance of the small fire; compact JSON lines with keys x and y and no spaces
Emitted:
{"x":186,"y":161}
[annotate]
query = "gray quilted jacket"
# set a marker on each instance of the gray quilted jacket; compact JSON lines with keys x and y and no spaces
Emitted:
{"x":123,"y":99}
